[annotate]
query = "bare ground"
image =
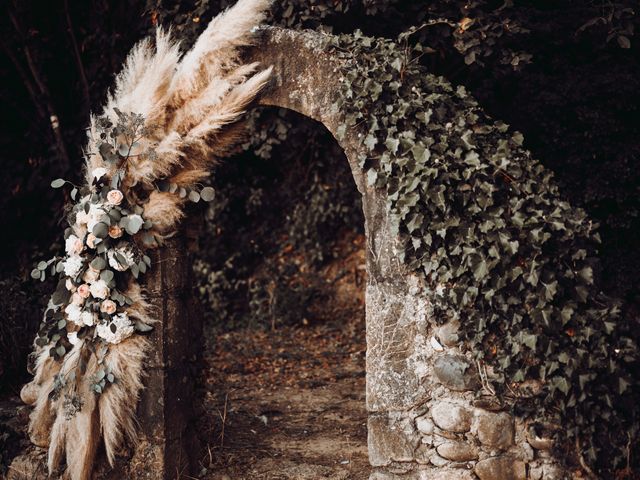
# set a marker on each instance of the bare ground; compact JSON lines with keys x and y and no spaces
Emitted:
{"x":288,"y":404}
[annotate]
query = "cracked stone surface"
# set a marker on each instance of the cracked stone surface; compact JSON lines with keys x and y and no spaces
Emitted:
{"x":451,"y":417}
{"x":494,"y":429}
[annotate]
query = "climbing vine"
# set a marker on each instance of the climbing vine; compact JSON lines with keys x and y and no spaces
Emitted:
{"x":485,"y":225}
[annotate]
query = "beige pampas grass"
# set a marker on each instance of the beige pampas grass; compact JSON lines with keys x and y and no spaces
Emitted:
{"x":117,"y":404}
{"x":190,"y":104}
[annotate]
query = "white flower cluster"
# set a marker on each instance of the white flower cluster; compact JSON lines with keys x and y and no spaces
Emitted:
{"x":90,"y":303}
{"x":78,"y":316}
{"x":117,"y":330}
{"x":72,"y":265}
{"x":91,"y":218}
{"x":123,"y":251}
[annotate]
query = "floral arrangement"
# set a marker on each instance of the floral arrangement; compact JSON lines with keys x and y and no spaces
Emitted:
{"x":105,"y":242}
{"x":141,"y":169}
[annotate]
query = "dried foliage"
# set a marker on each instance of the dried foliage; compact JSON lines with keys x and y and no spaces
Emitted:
{"x":163,"y":125}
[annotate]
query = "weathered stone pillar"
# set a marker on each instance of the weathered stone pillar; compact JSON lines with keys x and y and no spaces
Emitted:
{"x":168,"y":445}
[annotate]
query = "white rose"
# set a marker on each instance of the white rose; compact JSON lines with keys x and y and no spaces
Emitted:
{"x":90,"y":275}
{"x":88,"y":318}
{"x":72,"y":265}
{"x":73,"y":337}
{"x":122,"y":326}
{"x":73,"y":245}
{"x":99,"y":289}
{"x":125,"y":251}
{"x":74,"y":313}
{"x":96,"y":212}
{"x":114,"y":197}
{"x":98,"y":173}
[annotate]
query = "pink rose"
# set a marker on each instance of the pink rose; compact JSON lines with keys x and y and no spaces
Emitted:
{"x":76,"y":299}
{"x":83,"y":290}
{"x":115,"y":231}
{"x":114,"y":197}
{"x":78,"y":246}
{"x":91,"y":240}
{"x":108,"y":306}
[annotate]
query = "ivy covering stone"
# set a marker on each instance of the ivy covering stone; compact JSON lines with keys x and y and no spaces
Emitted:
{"x":485,"y":225}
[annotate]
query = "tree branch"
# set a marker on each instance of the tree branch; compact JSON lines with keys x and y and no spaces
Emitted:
{"x":44,"y":94}
{"x":78,"y":58}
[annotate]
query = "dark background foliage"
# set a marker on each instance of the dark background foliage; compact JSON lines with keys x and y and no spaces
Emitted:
{"x":565,"y":73}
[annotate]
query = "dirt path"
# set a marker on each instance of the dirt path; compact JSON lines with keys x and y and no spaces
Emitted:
{"x":289,"y":404}
{"x":288,"y":413}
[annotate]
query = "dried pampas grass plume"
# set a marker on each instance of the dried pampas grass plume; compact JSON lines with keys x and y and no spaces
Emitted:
{"x":191,"y":104}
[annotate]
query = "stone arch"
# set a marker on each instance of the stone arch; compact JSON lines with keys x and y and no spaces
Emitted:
{"x":424,"y":420}
{"x":306,"y":80}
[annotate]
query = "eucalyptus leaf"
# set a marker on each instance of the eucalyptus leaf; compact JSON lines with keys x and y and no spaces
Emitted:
{"x":194,"y":196}
{"x":106,"y":275}
{"x":207,"y":194}
{"x":101,"y":230}
{"x":98,"y":263}
{"x":133,"y":224}
{"x":142,"y":327}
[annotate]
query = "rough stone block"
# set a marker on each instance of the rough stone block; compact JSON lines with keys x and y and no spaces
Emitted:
{"x":428,"y":473}
{"x":389,"y":441}
{"x":398,"y":359}
{"x":448,"y":333}
{"x":458,"y":451}
{"x":456,"y":372}
{"x":451,"y":417}
{"x":501,"y":468}
{"x":494,"y":430}
{"x":424,"y":424}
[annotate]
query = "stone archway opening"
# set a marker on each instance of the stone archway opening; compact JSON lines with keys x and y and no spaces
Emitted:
{"x":282,"y":281}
